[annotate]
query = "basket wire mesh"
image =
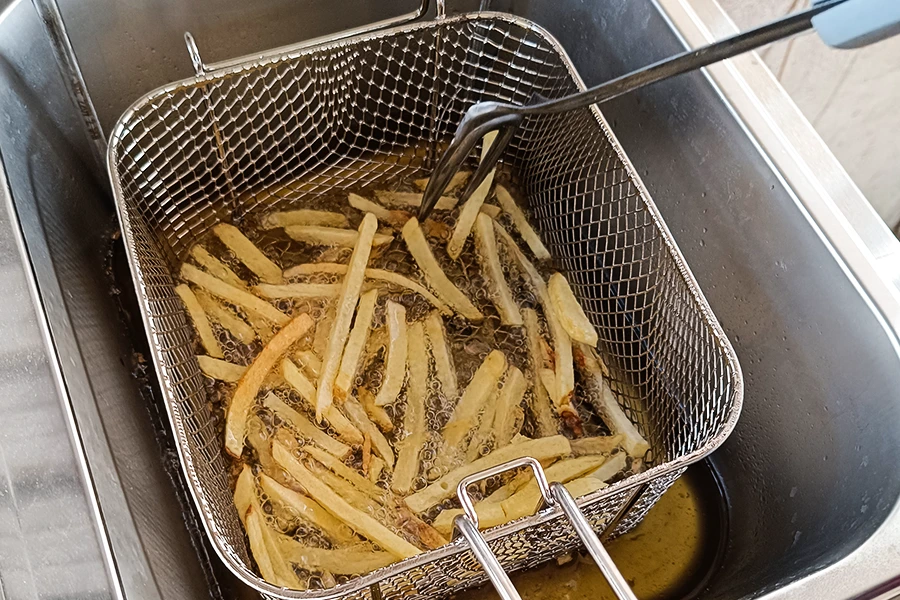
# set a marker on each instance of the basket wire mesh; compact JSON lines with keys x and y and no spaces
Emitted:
{"x":376,"y":108}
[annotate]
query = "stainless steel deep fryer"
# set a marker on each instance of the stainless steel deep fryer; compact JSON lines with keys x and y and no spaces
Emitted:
{"x":372,"y":109}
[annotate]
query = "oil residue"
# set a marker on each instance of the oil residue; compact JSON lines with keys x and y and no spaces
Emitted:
{"x":668,"y":556}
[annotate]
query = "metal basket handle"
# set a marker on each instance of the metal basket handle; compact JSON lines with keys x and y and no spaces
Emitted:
{"x":554,"y":494}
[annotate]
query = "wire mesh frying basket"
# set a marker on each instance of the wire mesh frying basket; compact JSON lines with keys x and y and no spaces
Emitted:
{"x":375,"y":108}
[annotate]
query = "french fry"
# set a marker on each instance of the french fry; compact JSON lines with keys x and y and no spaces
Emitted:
{"x":434,"y":275}
{"x":413,"y":199}
{"x":351,"y":475}
{"x":224,"y":317}
{"x":602,"y":444}
{"x":427,"y":535}
{"x":484,"y":435}
{"x":525,"y":502}
{"x":519,"y":219}
{"x":407,"y":467}
{"x":254,"y":526}
{"x":357,"y":414}
{"x":604,"y":402}
{"x":548,"y":380}
{"x":306,"y":508}
{"x":366,"y":454}
{"x":200,"y":320}
{"x":264,"y":330}
{"x":509,"y":414}
{"x":501,"y":296}
{"x":562,"y":471}
{"x":357,"y":559}
{"x":569,"y":311}
{"x":216,"y":267}
{"x":289,"y":218}
{"x":331,"y":236}
{"x":376,"y":468}
{"x":377,"y":414}
{"x":356,"y":343}
{"x":307,"y":391}
{"x":465,"y":415}
{"x":445,"y":487}
{"x":490,"y":210}
{"x":337,"y":506}
{"x":323,"y":332}
{"x":220,"y":369}
{"x":304,"y":427}
{"x":437,"y":340}
{"x":472,"y":207}
{"x":346,"y":306}
{"x":297,"y":290}
{"x":248,"y":386}
{"x":394,"y":217}
{"x":247,"y":252}
{"x":395,"y":364}
{"x":315,"y":268}
{"x":541,"y":410}
{"x":237,"y":296}
{"x":309,"y":362}
{"x":244,"y":491}
{"x":345,"y":490}
{"x":459,"y":178}
{"x":610,"y":468}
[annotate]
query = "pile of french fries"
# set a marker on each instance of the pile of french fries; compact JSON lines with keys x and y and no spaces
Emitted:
{"x":341,"y":474}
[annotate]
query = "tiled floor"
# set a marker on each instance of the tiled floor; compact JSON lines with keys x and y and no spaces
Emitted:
{"x":852,"y":98}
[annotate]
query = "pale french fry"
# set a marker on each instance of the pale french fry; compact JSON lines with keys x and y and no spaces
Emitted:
{"x":395,"y":217}
{"x":331,"y":236}
{"x":254,"y":526}
{"x":315,"y":268}
{"x":459,"y":178}
{"x":413,"y":199}
{"x":346,"y":306}
{"x":434,"y":275}
{"x":264,"y":330}
{"x":437,"y":340}
{"x":541,"y":410}
{"x":407,"y":467}
{"x":604,"y":402}
{"x":484,"y":435}
{"x":297,"y":290}
{"x":564,"y":470}
{"x":345,"y":490}
{"x":472,"y":207}
{"x":248,"y":386}
{"x":220,"y":369}
{"x":519,"y":219}
{"x":490,"y":514}
{"x":395,"y":364}
{"x":351,"y":475}
{"x":305,"y":427}
{"x":234,"y":295}
{"x":284,"y":573}
{"x":603,"y":444}
{"x":247,"y":252}
{"x":216,"y":267}
{"x":260,"y":441}
{"x":323,"y":332}
{"x":310,"y":363}
{"x":465,"y":415}
{"x":200,"y":321}
{"x":307,"y":391}
{"x":445,"y":487}
{"x":509,"y":414}
{"x":357,"y":414}
{"x":569,"y":311}
{"x":224,"y":317}
{"x":333,"y":503}
{"x":306,"y":508}
{"x":427,"y":535}
{"x":366,"y":454}
{"x":358,"y":559}
{"x":304,"y":216}
{"x":356,"y":343}
{"x":610,"y":468}
{"x":491,"y":210}
{"x":244,"y":491}
{"x":548,"y":380}
{"x":378,"y":415}
{"x":501,"y":296}
{"x":376,"y":468}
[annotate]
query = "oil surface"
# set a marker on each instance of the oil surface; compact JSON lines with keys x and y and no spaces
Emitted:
{"x":668,"y":556}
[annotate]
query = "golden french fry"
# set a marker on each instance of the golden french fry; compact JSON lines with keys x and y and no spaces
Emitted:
{"x":569,"y":311}
{"x":351,"y":475}
{"x":248,"y":386}
{"x":305,"y":427}
{"x":427,"y":535}
{"x":604,"y":402}
{"x":603,"y":444}
{"x":465,"y":415}
{"x":541,"y":410}
{"x":459,"y":178}
{"x":297,"y":290}
{"x":434,"y":275}
{"x":234,"y":295}
{"x":289,"y":218}
{"x":491,"y":210}
{"x":346,"y":306}
{"x":440,"y":350}
{"x":307,"y":391}
{"x":356,"y":343}
{"x":201,"y":321}
{"x":310,"y":363}
{"x":413,"y":199}
{"x":358,"y":559}
{"x":220,"y":369}
{"x":376,"y":468}
{"x":247,"y":252}
{"x":407,"y":467}
{"x":501,"y":296}
{"x":331,"y":236}
{"x":445,"y":487}
{"x":521,"y":222}
{"x":359,"y":521}
{"x":509,"y":414}
{"x":244,"y":491}
{"x":306,"y":508}
{"x":224,"y":317}
{"x":216,"y":267}
{"x":395,"y":364}
{"x":472,"y":207}
{"x":378,"y":415}
{"x":357,"y":414}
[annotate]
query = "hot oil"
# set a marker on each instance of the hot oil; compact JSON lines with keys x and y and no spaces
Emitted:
{"x":667,"y":556}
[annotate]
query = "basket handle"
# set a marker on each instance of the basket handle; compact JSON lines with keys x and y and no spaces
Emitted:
{"x":554,"y":494}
